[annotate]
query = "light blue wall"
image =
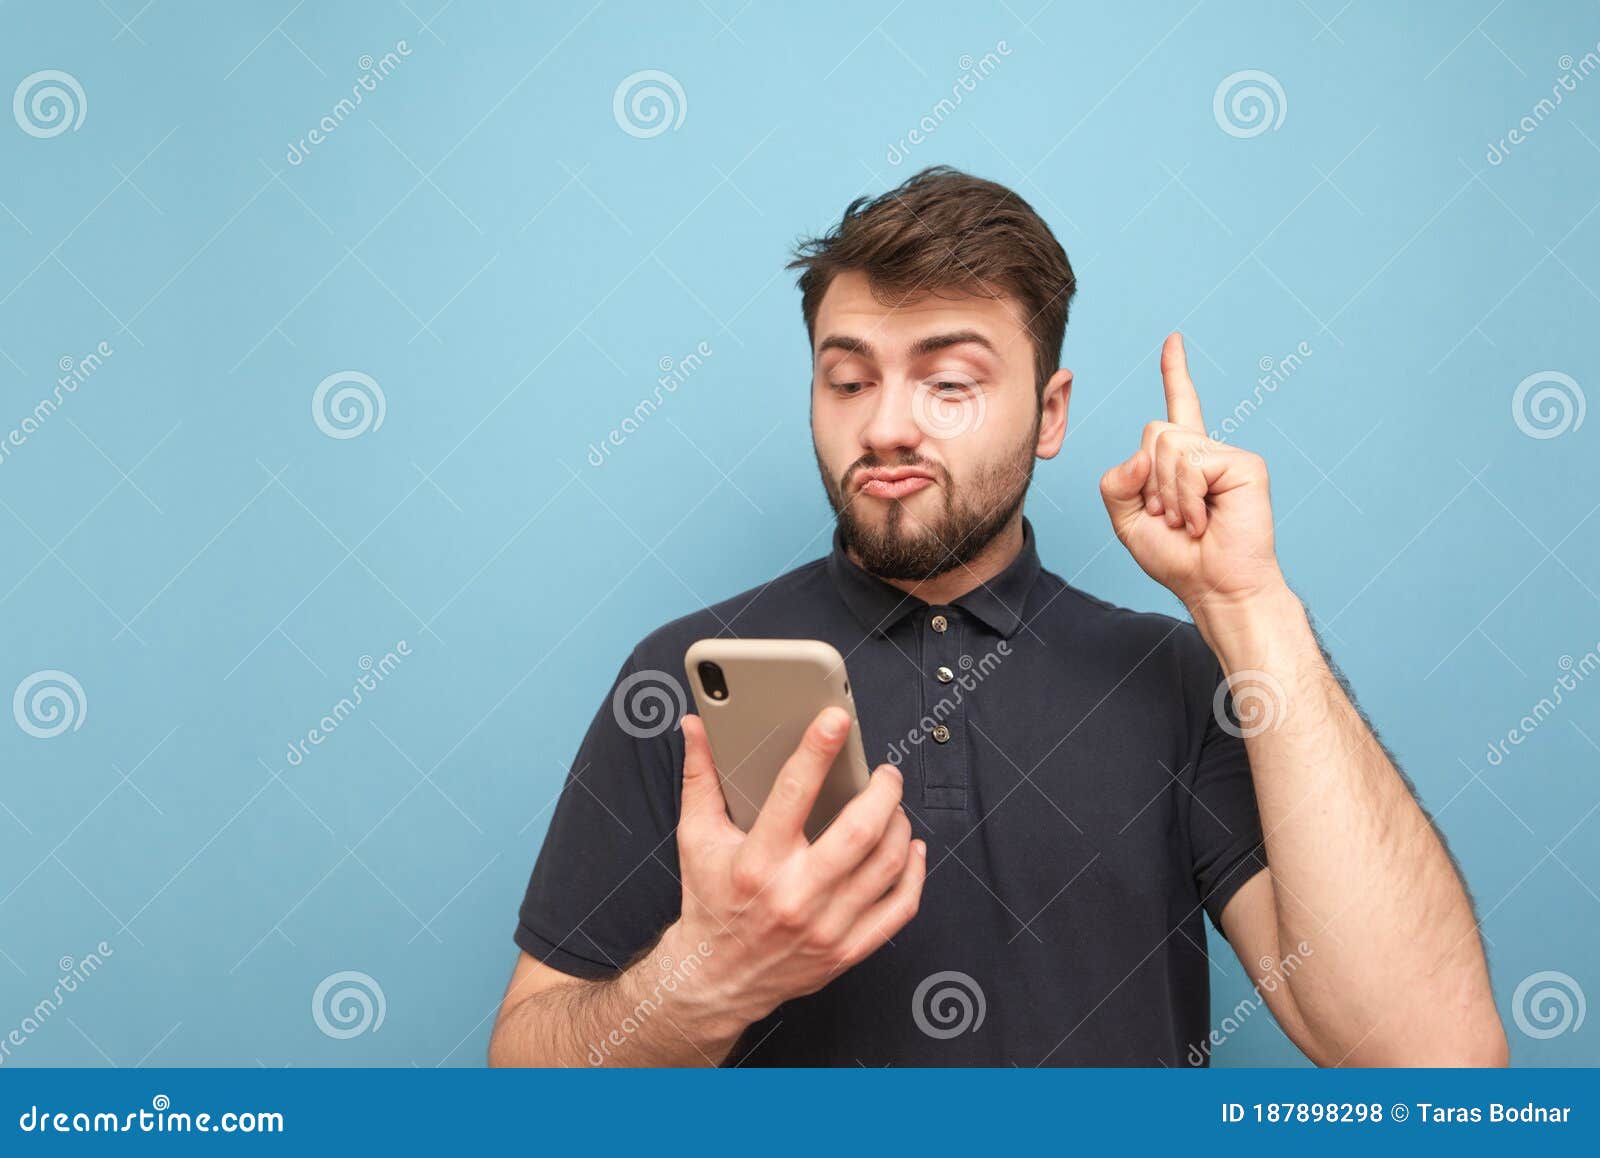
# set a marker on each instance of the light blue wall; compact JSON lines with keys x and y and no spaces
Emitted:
{"x":484,"y":240}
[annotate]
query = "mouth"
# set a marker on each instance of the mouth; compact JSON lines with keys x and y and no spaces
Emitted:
{"x":897,"y":483}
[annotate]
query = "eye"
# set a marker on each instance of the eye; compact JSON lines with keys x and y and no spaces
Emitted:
{"x":848,"y":389}
{"x":952,"y":385}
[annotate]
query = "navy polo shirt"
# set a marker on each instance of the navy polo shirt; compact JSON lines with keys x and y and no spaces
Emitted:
{"x":1085,"y":813}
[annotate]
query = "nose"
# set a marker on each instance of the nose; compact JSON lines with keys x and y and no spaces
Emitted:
{"x":892,"y":425}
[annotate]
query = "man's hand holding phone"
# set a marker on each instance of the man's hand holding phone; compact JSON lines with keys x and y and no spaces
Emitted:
{"x":783,"y":916}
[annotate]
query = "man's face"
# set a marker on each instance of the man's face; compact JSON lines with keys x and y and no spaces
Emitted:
{"x":925,"y":421}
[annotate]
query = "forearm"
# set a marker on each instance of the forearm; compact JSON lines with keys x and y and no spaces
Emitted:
{"x":656,"y":1012}
{"x":1359,"y":873}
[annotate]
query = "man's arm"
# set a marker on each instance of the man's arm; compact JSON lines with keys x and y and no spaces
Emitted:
{"x":648,"y":1014}
{"x":766,"y":916}
{"x":1394,"y":972}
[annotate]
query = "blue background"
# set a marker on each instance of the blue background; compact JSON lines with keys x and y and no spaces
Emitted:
{"x":483,"y":238}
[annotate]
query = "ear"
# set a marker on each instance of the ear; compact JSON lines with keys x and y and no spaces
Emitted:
{"x":1053,"y":414}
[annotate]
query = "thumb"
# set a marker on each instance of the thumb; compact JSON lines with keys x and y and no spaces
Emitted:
{"x":703,"y":806}
{"x":1122,"y":487}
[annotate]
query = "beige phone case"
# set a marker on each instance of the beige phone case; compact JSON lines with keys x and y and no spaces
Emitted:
{"x":775,"y":688}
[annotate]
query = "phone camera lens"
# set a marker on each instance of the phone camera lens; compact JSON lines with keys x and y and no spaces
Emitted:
{"x":712,"y":679}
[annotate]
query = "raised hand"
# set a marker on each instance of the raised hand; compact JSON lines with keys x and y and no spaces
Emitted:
{"x":1193,"y":512}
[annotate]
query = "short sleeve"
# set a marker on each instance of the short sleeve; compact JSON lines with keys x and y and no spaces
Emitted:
{"x":1224,"y":824}
{"x":606,"y":879}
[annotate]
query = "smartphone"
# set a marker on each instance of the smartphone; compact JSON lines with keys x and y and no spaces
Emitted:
{"x":756,"y":698}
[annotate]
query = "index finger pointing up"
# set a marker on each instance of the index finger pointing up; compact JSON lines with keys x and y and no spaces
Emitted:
{"x":1183,"y":404}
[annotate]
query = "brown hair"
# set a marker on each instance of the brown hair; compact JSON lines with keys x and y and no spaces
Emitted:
{"x":944,"y":229}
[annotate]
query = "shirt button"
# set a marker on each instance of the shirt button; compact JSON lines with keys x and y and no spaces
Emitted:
{"x":945,"y":675}
{"x":941,"y":734}
{"x":939,"y":623}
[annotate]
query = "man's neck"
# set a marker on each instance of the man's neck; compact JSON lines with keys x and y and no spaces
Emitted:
{"x":995,"y":557}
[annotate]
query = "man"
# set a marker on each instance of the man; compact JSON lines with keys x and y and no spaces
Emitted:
{"x":1027,"y":878}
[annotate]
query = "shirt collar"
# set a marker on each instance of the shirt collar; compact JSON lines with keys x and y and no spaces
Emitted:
{"x":879,"y":605}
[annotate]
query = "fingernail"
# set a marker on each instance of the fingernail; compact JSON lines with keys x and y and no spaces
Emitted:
{"x":1153,"y":505}
{"x":834,"y":722}
{"x":1189,"y":527}
{"x":1173,"y":518}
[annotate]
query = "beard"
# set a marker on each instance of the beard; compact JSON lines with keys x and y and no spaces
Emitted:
{"x":919,"y":547}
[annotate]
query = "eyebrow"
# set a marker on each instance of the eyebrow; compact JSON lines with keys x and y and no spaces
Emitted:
{"x":920,"y":348}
